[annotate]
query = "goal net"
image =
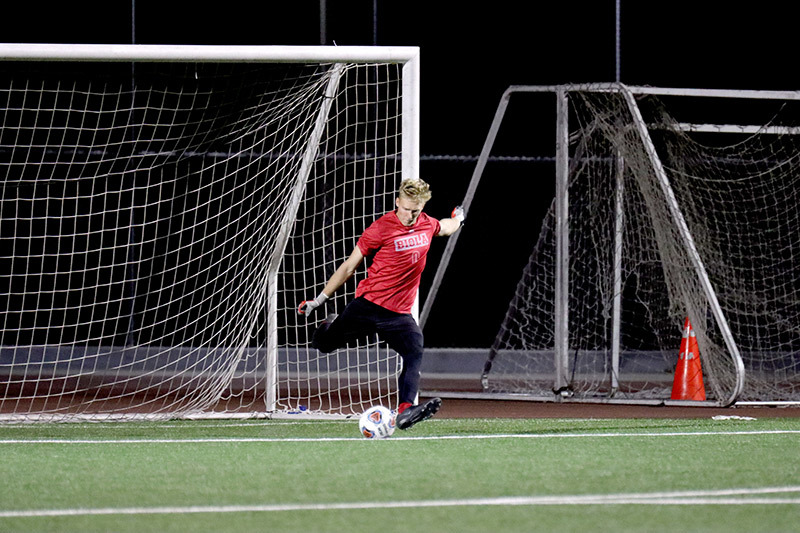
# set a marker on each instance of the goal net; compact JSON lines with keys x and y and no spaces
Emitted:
{"x":165,"y":209}
{"x":670,"y":204}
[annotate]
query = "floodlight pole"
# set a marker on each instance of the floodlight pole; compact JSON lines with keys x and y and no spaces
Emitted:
{"x":618,"y":47}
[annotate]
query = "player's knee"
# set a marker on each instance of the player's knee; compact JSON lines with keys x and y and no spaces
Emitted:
{"x":321,"y":345}
{"x":320,"y":342}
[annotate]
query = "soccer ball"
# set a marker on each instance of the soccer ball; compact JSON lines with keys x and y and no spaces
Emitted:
{"x":377,"y":423}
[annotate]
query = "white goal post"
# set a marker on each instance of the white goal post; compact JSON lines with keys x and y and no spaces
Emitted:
{"x":669,"y":203}
{"x":165,"y":208}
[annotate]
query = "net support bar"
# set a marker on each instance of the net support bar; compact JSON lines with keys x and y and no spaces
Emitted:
{"x":562,"y":242}
{"x":619,"y":220}
{"x":686,"y":235}
{"x":312,"y":148}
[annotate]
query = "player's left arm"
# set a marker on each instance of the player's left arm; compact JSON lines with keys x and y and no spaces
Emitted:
{"x":451,"y":225}
{"x":342,"y":274}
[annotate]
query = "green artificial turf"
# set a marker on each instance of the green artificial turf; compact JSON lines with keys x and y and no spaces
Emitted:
{"x":442,"y":475}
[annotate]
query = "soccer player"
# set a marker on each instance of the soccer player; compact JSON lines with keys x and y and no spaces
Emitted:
{"x":398,"y":243}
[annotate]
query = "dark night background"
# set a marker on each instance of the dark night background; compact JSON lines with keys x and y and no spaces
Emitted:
{"x":470,"y":53}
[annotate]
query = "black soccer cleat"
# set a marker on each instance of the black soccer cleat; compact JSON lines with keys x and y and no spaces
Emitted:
{"x":418,"y":413}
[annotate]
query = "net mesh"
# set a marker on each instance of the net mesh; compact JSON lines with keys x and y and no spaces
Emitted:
{"x":738,"y":195}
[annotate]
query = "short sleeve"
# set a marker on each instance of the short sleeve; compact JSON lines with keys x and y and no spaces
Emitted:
{"x":437,"y":226}
{"x":371,"y":240}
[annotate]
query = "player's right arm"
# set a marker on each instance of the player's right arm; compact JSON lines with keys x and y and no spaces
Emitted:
{"x":448,"y":226}
{"x":342,"y":274}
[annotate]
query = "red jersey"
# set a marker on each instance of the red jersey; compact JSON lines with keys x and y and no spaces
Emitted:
{"x":399,"y":258}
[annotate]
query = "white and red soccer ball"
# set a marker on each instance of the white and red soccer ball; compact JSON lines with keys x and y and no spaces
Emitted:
{"x":377,"y":422}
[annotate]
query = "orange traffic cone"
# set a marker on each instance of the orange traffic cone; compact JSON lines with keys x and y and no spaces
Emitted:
{"x":688,"y":384}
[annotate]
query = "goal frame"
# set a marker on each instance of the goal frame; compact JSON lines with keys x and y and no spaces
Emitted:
{"x":562,"y":288}
{"x":407,"y":56}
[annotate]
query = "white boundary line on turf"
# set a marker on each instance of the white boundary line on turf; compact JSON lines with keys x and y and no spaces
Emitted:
{"x":710,"y":497}
{"x":216,"y":440}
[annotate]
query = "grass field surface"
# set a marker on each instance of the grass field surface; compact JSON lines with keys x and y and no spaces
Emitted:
{"x":442,"y":475}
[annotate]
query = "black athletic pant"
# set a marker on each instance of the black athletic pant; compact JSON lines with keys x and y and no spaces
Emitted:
{"x":362,"y":318}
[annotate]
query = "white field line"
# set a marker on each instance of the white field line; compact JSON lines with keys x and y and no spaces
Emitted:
{"x":742,"y":496}
{"x":216,"y":440}
{"x":160,"y":425}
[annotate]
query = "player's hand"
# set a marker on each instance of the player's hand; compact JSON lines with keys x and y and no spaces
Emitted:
{"x":458,"y":214}
{"x":306,"y":306}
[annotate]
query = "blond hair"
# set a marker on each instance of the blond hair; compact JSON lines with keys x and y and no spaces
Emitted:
{"x":415,"y":190}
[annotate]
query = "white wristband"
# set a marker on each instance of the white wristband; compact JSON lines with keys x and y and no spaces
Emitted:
{"x":321,"y":299}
